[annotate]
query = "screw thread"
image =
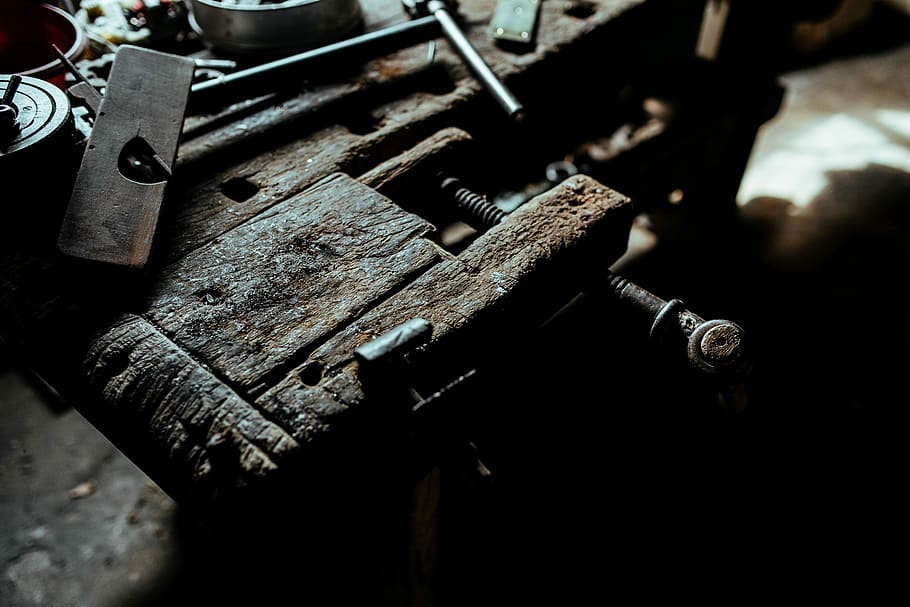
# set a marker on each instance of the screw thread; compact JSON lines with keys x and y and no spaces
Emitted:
{"x":617,"y":283}
{"x":478,"y":211}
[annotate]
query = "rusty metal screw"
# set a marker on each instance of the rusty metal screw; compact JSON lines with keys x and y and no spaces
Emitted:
{"x":717,"y":345}
{"x":718,"y":348}
{"x":477,"y":210}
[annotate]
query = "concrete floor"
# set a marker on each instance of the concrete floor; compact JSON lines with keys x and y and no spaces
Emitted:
{"x":828,"y":185}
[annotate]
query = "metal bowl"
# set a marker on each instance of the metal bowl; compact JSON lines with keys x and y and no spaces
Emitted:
{"x":27,"y":32}
{"x":272,"y":27}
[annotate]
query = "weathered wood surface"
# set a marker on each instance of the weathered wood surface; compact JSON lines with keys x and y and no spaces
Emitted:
{"x":184,"y":379}
{"x":392,"y":103}
{"x":553,"y":241}
{"x":275,"y":263}
{"x":275,"y":287}
{"x":417,"y":168}
{"x":182,"y":407}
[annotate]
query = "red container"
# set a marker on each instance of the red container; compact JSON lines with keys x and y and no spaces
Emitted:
{"x":27,"y":31}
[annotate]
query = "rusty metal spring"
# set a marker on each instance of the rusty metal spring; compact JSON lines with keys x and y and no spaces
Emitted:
{"x":477,"y":210}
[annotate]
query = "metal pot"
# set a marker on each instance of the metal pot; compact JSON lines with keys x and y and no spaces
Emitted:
{"x":260,"y":26}
{"x":27,"y":32}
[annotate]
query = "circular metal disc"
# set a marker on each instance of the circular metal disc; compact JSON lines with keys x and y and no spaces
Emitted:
{"x":43,"y":110}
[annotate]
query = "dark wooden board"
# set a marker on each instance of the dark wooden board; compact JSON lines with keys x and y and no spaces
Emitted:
{"x":273,"y":288}
{"x":380,"y":109}
{"x":172,"y":384}
{"x":389,"y":122}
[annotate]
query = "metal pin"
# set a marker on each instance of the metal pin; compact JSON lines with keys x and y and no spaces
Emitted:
{"x":464,"y":48}
{"x":12,"y":86}
{"x":9,"y":126}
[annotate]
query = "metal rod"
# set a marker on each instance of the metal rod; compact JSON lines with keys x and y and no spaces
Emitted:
{"x":11,"y":87}
{"x":475,"y":62}
{"x":69,"y":65}
{"x":262,"y":79}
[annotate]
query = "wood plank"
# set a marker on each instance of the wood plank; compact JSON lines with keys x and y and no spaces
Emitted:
{"x":204,"y":210}
{"x":148,"y":385}
{"x":252,"y":301}
{"x":446,"y":149}
{"x":149,"y":378}
{"x":481,"y":303}
{"x":296,"y":140}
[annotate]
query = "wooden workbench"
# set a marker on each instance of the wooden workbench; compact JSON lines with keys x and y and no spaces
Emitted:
{"x":307,"y":223}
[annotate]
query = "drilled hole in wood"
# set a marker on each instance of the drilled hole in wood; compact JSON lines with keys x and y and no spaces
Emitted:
{"x":209,"y":296}
{"x":117,"y":364}
{"x":436,"y":82}
{"x":581,"y":10}
{"x":362,"y":123}
{"x":311,"y":374}
{"x":239,"y":189}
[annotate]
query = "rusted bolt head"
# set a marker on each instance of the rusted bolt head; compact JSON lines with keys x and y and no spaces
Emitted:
{"x":719,"y":346}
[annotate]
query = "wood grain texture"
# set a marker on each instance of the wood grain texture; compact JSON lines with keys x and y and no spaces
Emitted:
{"x":277,"y":286}
{"x":172,"y":374}
{"x":420,"y":164}
{"x":181,"y":407}
{"x":292,"y":241}
{"x":286,"y":169}
{"x":479,"y":302}
{"x":402,"y":100}
{"x":277,"y":266}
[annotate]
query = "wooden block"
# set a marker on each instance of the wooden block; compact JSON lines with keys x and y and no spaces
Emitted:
{"x":266,"y":293}
{"x":115,"y":205}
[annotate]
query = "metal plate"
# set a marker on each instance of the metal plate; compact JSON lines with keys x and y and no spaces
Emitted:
{"x":514,"y":20}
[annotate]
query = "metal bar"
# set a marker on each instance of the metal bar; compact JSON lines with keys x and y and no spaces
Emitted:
{"x":475,"y":62}
{"x":262,"y":79}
